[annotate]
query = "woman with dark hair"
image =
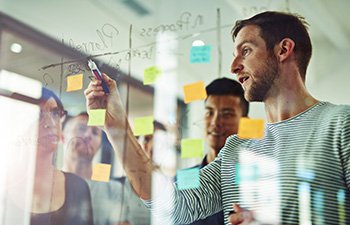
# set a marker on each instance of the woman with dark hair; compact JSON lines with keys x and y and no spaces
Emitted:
{"x":58,"y":197}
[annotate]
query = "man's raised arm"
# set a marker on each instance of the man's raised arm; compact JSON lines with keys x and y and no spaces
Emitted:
{"x":137,"y":165}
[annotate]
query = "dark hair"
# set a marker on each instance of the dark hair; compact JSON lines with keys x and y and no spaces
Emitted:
{"x":226,"y":86}
{"x":158,"y":125}
{"x":69,"y":117}
{"x":46,"y":94}
{"x":275,"y":26}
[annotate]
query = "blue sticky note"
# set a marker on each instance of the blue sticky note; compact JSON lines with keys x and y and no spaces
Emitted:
{"x":200,"y":54}
{"x":187,"y":178}
{"x":246,"y":172}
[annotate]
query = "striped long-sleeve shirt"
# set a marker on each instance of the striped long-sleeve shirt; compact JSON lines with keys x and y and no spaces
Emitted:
{"x":298,"y":174}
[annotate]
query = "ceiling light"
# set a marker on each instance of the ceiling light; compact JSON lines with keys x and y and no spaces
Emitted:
{"x":16,"y":48}
{"x":198,"y":43}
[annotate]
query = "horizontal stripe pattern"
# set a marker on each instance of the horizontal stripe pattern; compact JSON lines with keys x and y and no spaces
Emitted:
{"x":304,"y":160}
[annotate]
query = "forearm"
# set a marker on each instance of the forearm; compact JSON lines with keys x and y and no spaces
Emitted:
{"x":138,"y":167}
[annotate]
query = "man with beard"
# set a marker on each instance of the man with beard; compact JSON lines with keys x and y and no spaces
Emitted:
{"x":303,"y":159}
{"x":81,"y":143}
{"x":224,"y":106}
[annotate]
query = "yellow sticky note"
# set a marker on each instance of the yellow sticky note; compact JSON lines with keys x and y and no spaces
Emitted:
{"x":150,"y":75}
{"x":101,"y":172}
{"x":143,"y":125}
{"x":191,"y":148}
{"x":194,"y":91}
{"x":96,"y":117}
{"x":251,"y":128}
{"x":74,"y":82}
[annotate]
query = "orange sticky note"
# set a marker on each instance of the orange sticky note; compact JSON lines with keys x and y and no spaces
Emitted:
{"x":251,"y":128}
{"x":195,"y":91}
{"x":101,"y":172}
{"x":74,"y":82}
{"x":143,"y":125}
{"x":191,"y":148}
{"x":150,"y":75}
{"x":96,"y":117}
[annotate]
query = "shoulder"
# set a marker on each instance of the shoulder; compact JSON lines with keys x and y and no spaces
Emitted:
{"x":75,"y":182}
{"x":335,"y":110}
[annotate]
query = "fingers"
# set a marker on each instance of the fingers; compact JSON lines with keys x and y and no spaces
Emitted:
{"x":237,"y":208}
{"x":240,"y":215}
{"x":94,"y":89}
{"x":110,"y":82}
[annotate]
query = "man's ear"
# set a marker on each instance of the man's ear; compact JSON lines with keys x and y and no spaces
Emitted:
{"x":285,"y":49}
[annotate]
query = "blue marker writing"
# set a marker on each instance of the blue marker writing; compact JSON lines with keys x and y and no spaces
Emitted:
{"x":96,"y":72}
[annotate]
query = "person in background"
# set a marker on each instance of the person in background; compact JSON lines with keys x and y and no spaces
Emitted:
{"x":136,"y":212}
{"x":59,"y":198}
{"x":81,"y":143}
{"x":146,"y":141}
{"x":224,"y":106}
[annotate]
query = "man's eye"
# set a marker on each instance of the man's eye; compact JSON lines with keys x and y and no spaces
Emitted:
{"x":95,"y":132}
{"x":245,"y":51}
{"x":56,"y":113}
{"x":208,"y":113}
{"x":82,"y":128}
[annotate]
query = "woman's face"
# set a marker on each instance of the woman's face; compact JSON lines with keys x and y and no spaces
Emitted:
{"x":49,"y":126}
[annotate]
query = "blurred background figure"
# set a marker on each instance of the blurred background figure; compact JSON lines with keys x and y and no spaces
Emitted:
{"x":58,"y":197}
{"x":136,"y":211}
{"x":81,"y":143}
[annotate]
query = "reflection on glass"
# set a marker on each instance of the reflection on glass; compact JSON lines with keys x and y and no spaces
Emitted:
{"x":318,"y":203}
{"x":258,"y":181}
{"x":17,"y":160}
{"x":341,"y":207}
{"x":304,"y":203}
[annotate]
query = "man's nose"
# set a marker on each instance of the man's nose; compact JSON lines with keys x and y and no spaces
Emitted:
{"x":236,"y":66}
{"x":215,"y":120}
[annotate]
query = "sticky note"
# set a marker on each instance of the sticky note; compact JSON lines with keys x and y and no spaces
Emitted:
{"x":101,"y":172}
{"x":251,"y":128}
{"x":191,"y":148}
{"x":200,"y":54}
{"x":96,"y":117}
{"x":188,"y":178}
{"x":143,"y":125}
{"x":246,"y":172}
{"x":74,"y":82}
{"x":150,"y":75}
{"x":194,"y":91}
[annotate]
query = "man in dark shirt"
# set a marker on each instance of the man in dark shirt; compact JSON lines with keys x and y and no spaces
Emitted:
{"x":224,"y":107}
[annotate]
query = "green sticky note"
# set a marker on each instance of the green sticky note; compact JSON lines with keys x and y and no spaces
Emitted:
{"x":150,"y":75}
{"x":143,"y":125}
{"x":200,"y":54}
{"x":191,"y":148}
{"x":96,"y":117}
{"x":188,"y":178}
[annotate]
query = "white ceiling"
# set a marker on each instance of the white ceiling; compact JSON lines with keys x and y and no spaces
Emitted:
{"x":107,"y":24}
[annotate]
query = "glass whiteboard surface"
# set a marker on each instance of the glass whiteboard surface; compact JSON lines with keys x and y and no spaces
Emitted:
{"x":19,"y":122}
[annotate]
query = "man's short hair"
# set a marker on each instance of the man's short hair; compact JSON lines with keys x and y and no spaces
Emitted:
{"x":226,"y":86}
{"x":275,"y":26}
